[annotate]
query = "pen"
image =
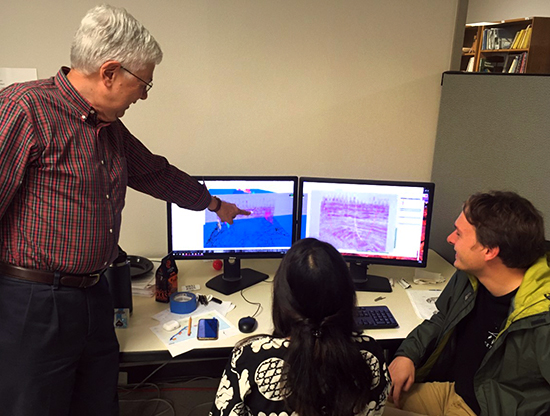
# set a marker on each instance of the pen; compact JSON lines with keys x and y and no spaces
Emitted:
{"x":173,"y":337}
{"x":189,"y":328}
{"x":379,"y":298}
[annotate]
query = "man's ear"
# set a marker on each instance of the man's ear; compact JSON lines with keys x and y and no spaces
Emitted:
{"x":108,"y":72}
{"x":491,"y":253}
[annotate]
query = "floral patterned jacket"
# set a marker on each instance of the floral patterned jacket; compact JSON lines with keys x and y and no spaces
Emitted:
{"x":251,"y":383}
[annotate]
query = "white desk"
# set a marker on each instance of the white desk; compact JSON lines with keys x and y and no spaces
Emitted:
{"x":138,"y":343}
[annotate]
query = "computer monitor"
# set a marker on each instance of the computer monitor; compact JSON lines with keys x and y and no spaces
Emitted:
{"x":268,"y":232}
{"x":369,"y":222}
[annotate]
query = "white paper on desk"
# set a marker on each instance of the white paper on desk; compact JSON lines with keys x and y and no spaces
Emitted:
{"x":423,"y":302}
{"x":10,"y":75}
{"x":424,"y":277}
{"x":144,"y":286}
{"x":143,"y":282}
{"x":148,"y":292}
{"x":181,"y":342}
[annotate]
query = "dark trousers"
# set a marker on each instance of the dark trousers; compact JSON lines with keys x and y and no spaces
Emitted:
{"x":58,"y":350}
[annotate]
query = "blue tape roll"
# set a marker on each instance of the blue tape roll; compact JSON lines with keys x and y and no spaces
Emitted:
{"x":183,"y":302}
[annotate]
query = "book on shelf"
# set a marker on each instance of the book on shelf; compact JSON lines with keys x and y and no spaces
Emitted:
{"x":508,"y":62}
{"x":484,"y":40}
{"x":494,"y":65}
{"x":526,"y":38}
{"x":515,"y":41}
{"x":522,"y":38}
{"x":470,"y":67}
{"x":523,"y":63}
{"x":514,"y":65}
{"x":518,"y":64}
{"x":492,"y":38}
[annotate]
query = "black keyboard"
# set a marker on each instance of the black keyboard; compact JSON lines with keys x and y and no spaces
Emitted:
{"x":374,"y":317}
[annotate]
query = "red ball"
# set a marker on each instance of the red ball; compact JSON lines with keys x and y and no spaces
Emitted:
{"x":217,"y":264}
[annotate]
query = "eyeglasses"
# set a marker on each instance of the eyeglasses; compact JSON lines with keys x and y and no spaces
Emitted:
{"x":148,"y":85}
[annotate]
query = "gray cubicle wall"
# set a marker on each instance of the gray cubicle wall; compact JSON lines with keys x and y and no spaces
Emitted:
{"x":493,"y":133}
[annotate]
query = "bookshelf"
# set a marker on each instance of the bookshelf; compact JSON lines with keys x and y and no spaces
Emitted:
{"x":511,"y":46}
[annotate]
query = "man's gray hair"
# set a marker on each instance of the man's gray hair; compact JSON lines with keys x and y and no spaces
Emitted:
{"x":110,"y":33}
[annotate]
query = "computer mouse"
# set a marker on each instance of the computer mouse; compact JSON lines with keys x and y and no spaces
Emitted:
{"x":247,"y":324}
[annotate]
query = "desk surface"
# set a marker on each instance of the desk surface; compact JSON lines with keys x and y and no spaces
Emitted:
{"x":139,"y":339}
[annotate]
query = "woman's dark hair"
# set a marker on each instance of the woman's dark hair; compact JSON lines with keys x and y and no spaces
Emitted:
{"x":313,"y":305}
{"x":509,"y":222}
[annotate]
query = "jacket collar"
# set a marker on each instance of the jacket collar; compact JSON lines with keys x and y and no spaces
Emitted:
{"x":533,"y":296}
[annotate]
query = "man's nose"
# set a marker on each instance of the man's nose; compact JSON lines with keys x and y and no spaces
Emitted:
{"x":450,"y":239}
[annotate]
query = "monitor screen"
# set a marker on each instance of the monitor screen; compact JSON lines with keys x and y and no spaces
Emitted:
{"x":268,"y":232}
{"x":369,"y":222}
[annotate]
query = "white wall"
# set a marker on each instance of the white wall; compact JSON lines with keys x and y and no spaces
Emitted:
{"x":494,"y":10}
{"x":338,"y":88}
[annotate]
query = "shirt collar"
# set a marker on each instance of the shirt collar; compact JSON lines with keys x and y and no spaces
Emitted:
{"x":85,"y":111}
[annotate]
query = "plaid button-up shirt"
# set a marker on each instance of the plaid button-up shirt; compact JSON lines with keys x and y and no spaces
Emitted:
{"x":63,"y":178}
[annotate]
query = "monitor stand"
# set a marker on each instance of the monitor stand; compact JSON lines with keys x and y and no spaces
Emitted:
{"x":234,"y":278}
{"x":365,"y":282}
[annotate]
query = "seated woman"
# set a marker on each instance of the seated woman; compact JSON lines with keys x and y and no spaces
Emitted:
{"x":315,"y":363}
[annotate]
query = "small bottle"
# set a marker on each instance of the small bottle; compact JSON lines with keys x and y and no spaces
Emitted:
{"x":166,"y":279}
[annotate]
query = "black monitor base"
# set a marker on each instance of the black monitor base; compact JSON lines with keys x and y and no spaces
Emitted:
{"x":365,"y":282}
{"x":234,"y":278}
{"x":373,"y":284}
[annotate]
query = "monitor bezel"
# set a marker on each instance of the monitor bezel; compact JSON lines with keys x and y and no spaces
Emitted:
{"x":375,"y":260}
{"x":238,"y":254}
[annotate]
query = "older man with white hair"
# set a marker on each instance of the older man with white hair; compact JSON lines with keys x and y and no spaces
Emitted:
{"x":65,"y":162}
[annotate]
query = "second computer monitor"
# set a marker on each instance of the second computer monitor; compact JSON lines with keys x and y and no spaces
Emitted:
{"x":369,"y":222}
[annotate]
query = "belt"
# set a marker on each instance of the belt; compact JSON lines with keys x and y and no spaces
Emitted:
{"x":41,"y":276}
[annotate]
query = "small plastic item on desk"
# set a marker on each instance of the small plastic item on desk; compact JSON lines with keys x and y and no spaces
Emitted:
{"x":404,"y":284}
{"x":213,"y":299}
{"x":121,"y":317}
{"x":190,"y":288}
{"x":171,"y":325}
{"x":205,"y":299}
{"x":217,"y":264}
